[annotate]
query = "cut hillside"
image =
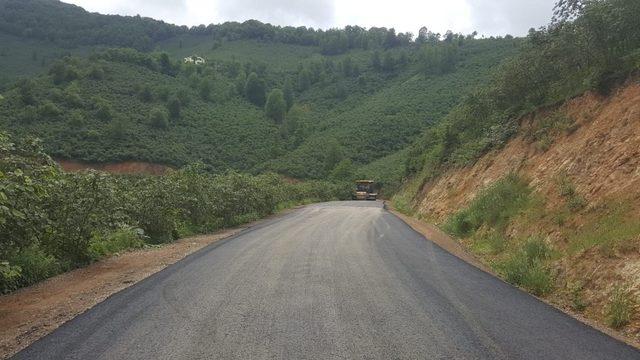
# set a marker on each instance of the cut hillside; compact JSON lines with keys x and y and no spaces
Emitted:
{"x":576,"y":170}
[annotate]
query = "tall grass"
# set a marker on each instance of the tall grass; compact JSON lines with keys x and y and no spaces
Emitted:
{"x":620,"y":308}
{"x":527,"y":268}
{"x":493,"y":207}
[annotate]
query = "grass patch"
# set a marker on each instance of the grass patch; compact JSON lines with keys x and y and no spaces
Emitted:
{"x":620,"y":308}
{"x":526,"y":267}
{"x":489,"y":242}
{"x":618,"y":230}
{"x":574,"y":201}
{"x":493,"y":207}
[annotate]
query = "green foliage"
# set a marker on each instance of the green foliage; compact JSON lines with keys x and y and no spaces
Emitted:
{"x":493,"y":207}
{"x":614,"y":232}
{"x":575,"y":201}
{"x":276,"y":106}
{"x":35,"y":265}
{"x":103,"y":110}
{"x":621,"y":307}
{"x":254,"y":90}
{"x":103,"y":245}
{"x":591,"y":49}
{"x":174,"y":107}
{"x":343,"y":171}
{"x":158,"y":118}
{"x":527,"y":268}
{"x":52,"y":221}
{"x":577,"y":301}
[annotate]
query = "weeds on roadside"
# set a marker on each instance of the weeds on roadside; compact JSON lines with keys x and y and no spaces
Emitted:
{"x":493,"y":207}
{"x":620,"y":308}
{"x":577,"y":300}
{"x":527,"y":267}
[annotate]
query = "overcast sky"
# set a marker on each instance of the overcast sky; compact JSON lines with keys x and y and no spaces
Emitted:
{"x":490,"y":17}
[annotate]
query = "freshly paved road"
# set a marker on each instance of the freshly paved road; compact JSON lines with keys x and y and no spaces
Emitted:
{"x":329,"y":281}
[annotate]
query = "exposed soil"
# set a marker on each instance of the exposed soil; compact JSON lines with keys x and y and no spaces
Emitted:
{"x":31,"y":313}
{"x":600,"y":155}
{"x":125,"y":167}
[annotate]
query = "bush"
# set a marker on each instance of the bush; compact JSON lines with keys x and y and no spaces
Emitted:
{"x":35,"y":265}
{"x":9,"y":277}
{"x":158,"y":119}
{"x":493,"y":207}
{"x":620,"y":308}
{"x":123,"y":239}
{"x":526,"y":267}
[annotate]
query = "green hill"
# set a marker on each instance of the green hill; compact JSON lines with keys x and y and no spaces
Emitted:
{"x":353,"y":96}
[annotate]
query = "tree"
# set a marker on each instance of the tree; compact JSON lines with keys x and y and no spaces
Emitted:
{"x":167,"y":66}
{"x":342,"y":171}
{"x":333,"y":156}
{"x":145,"y":94}
{"x":276,"y":106}
{"x":175,"y":107}
{"x":254,"y":90}
{"x":26,"y":91}
{"x":288,"y":94}
{"x":566,"y":10}
{"x":204,"y":89}
{"x":104,"y":111}
{"x":376,"y":62}
{"x":292,"y":128}
{"x":158,"y":118}
{"x":304,"y":80}
{"x":389,"y":63}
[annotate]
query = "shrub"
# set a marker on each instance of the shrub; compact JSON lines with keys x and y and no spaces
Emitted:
{"x":52,"y":221}
{"x":79,"y":205}
{"x":526,"y":267}
{"x":9,"y":277}
{"x":493,"y":207}
{"x":620,"y":308}
{"x":102,"y":245}
{"x":35,"y":265}
{"x":158,"y":118}
{"x":577,"y":302}
{"x":104,"y":111}
{"x":153,"y":205}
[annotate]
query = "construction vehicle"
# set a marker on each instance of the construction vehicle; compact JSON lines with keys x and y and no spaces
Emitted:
{"x":365,"y":190}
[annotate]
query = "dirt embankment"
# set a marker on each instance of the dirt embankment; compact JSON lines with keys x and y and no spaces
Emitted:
{"x":125,"y":167}
{"x":598,"y":153}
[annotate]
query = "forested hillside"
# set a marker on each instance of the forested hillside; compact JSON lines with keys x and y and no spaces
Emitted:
{"x":305,"y":103}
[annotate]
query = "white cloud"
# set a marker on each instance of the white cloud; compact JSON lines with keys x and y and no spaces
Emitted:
{"x":491,"y":17}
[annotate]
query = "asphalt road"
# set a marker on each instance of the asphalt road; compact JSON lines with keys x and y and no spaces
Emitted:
{"x":330,"y":281}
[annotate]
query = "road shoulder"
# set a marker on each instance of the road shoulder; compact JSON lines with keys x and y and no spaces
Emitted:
{"x":449,"y":244}
{"x":29,"y":314}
